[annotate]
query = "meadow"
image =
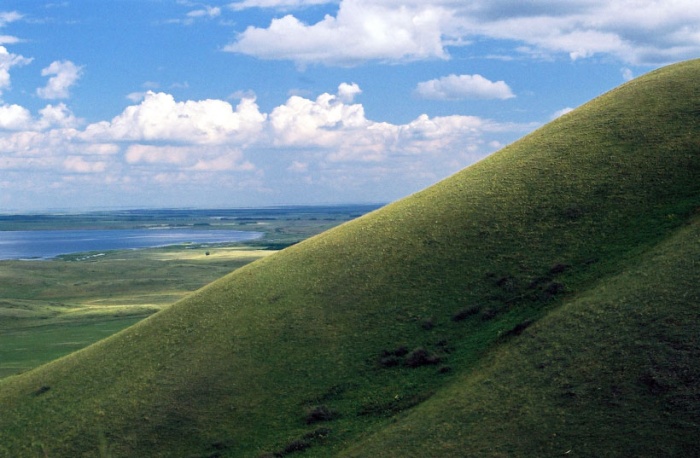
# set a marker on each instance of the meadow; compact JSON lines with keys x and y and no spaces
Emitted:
{"x":51,"y":308}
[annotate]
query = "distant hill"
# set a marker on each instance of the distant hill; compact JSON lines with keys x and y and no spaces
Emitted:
{"x":542,"y":302}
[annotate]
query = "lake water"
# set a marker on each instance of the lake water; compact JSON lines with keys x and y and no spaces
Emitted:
{"x":49,"y":244}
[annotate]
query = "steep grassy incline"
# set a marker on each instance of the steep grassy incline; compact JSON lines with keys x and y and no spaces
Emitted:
{"x":614,"y":372}
{"x":365,"y":338}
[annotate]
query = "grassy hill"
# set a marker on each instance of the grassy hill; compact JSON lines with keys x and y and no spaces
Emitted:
{"x":542,"y":302}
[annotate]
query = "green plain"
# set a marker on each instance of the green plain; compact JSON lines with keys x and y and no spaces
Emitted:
{"x":51,"y":308}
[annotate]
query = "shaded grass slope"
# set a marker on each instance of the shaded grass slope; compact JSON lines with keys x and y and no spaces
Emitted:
{"x":613,"y":372}
{"x":531,"y":304}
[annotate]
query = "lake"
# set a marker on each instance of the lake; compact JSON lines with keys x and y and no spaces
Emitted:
{"x":51,"y":243}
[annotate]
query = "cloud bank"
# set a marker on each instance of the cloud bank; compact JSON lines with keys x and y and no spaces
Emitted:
{"x":160,"y":141}
{"x":636,"y":32}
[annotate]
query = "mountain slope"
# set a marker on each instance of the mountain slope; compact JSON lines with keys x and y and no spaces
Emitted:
{"x":363,"y":339}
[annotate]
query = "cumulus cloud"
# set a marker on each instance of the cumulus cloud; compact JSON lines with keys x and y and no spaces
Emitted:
{"x":636,"y":32}
{"x":339,"y":129}
{"x":160,"y":118}
{"x":65,"y":74}
{"x":7,"y":61}
{"x":14,"y":117}
{"x":35,"y":150}
{"x":454,"y":87}
{"x":320,"y":122}
{"x":53,"y":116}
{"x":361,"y":30}
{"x":327,"y":141}
{"x":331,"y":144}
{"x":347,"y":92}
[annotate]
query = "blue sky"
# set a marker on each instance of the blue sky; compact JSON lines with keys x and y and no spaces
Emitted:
{"x":155,"y":103}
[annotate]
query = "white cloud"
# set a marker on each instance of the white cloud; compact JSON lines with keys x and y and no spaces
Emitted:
{"x":47,"y":142}
{"x":207,"y":12}
{"x":65,"y":74}
{"x":53,"y":116}
{"x":212,"y":159}
{"x":223,"y":161}
{"x":7,"y":17}
{"x":634,"y":31}
{"x":627,"y":74}
{"x":160,"y":118}
{"x":136,"y":96}
{"x":304,"y":122}
{"x":347,"y":92}
{"x":8,"y":40}
{"x":454,"y":87}
{"x":361,"y":30}
{"x":340,"y":132}
{"x":298,"y":167}
{"x":14,"y":117}
{"x":33,"y":150}
{"x":201,"y":12}
{"x":237,"y":95}
{"x":7,"y":61}
{"x":562,"y":112}
{"x":80,"y":165}
{"x":199,"y":146}
{"x":279,"y":4}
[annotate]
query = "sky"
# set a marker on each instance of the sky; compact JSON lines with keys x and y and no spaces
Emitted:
{"x":249,"y":103}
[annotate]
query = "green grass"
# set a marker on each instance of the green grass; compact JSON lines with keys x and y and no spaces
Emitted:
{"x":26,"y":348}
{"x":52,"y":308}
{"x":575,"y":249}
{"x":612,"y":372}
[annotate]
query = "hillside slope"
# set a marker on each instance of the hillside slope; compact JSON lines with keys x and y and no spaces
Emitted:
{"x":420,"y":329}
{"x":613,"y":372}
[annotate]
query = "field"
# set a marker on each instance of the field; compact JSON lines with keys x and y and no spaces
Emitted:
{"x":53,"y":307}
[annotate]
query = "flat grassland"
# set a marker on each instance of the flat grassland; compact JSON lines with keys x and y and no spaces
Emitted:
{"x":50,"y":308}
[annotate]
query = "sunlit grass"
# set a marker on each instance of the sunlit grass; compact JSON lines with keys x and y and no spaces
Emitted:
{"x":46,"y":304}
{"x":211,"y":254}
